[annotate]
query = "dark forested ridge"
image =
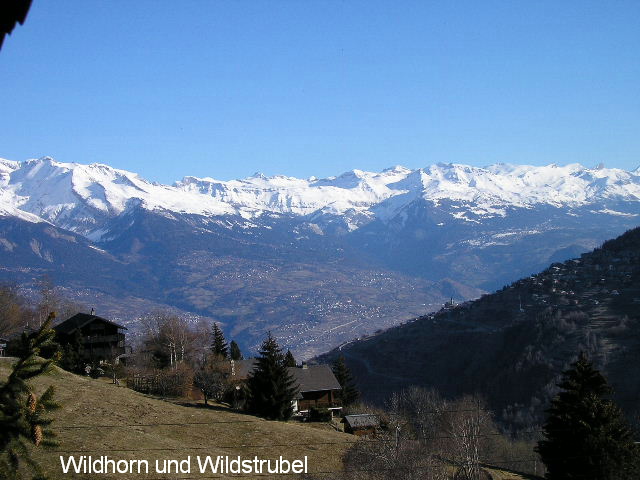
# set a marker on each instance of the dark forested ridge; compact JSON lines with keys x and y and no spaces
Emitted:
{"x":512,"y":345}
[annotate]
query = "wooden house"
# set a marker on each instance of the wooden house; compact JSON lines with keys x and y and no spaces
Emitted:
{"x":317,"y":388}
{"x":362,"y":425}
{"x":317,"y":385}
{"x":100,"y":339}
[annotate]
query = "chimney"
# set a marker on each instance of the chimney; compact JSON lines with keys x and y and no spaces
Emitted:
{"x":93,"y":311}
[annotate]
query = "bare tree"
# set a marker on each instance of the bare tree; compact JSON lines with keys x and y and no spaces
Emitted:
{"x":115,"y":366}
{"x":423,"y":410}
{"x":12,"y":310}
{"x":170,"y":339}
{"x":212,"y":378}
{"x":467,"y":423}
{"x":50,"y":300}
{"x":407,"y":447}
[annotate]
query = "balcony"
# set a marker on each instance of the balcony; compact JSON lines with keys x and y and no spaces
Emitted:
{"x":113,"y":339}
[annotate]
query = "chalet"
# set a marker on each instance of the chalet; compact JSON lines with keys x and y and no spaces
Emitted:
{"x":362,"y":425}
{"x":317,"y":388}
{"x":317,"y":385}
{"x":100,"y":339}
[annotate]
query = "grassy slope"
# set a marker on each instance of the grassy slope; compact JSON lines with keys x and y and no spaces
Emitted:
{"x":92,"y":402}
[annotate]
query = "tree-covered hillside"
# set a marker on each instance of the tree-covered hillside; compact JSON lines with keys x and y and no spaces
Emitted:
{"x":511,"y":345}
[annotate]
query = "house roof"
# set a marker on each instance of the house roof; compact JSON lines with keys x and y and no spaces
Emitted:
{"x":309,"y":379}
{"x":362,"y":420}
{"x":79,"y":320}
{"x":314,"y":378}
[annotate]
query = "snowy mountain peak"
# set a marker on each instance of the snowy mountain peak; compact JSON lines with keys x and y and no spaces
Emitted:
{"x":397,"y":169}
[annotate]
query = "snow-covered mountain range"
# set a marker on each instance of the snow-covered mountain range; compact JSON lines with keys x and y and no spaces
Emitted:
{"x":80,"y":197}
{"x":213,"y":247}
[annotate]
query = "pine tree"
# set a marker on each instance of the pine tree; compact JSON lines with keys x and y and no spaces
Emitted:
{"x":270,"y":386}
{"x":23,"y":417}
{"x":72,"y":354}
{"x":586,"y":435}
{"x":219,"y":346}
{"x":235,"y":352}
{"x":349,"y":393}
{"x":289,"y":361}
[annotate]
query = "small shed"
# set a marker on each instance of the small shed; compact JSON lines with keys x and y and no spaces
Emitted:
{"x":363,"y":424}
{"x":3,"y":346}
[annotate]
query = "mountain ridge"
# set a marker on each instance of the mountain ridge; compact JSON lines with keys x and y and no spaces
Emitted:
{"x":98,"y":189}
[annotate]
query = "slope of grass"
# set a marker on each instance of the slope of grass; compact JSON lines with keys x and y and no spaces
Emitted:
{"x":98,"y":418}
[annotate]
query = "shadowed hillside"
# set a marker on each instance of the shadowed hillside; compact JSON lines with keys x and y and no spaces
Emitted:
{"x":511,"y":345}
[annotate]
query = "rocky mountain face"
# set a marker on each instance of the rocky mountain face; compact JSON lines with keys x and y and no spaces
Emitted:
{"x":317,"y":261}
{"x":512,"y":345}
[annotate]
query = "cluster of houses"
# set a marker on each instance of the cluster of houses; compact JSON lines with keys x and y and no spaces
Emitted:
{"x":104,"y":341}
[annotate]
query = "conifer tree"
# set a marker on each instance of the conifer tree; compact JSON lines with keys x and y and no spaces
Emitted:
{"x":349,"y":393}
{"x":219,"y":346}
{"x":289,"y":361}
{"x":23,"y":416}
{"x":271,"y":387}
{"x":234,"y":351}
{"x":586,"y":435}
{"x":72,"y":354}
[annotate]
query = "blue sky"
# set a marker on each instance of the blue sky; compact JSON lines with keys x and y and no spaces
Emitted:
{"x":225,"y":89}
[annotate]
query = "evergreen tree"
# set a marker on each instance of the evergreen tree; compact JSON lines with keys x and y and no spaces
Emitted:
{"x":271,"y":387}
{"x":586,"y":435}
{"x":289,"y":361}
{"x":22,"y":414}
{"x":235,"y":352}
{"x":219,"y":346}
{"x":72,"y":354}
{"x":349,"y":393}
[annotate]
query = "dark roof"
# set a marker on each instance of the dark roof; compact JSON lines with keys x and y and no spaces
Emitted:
{"x":310,"y":379}
{"x":362,"y":420}
{"x":314,"y":378}
{"x":79,"y":320}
